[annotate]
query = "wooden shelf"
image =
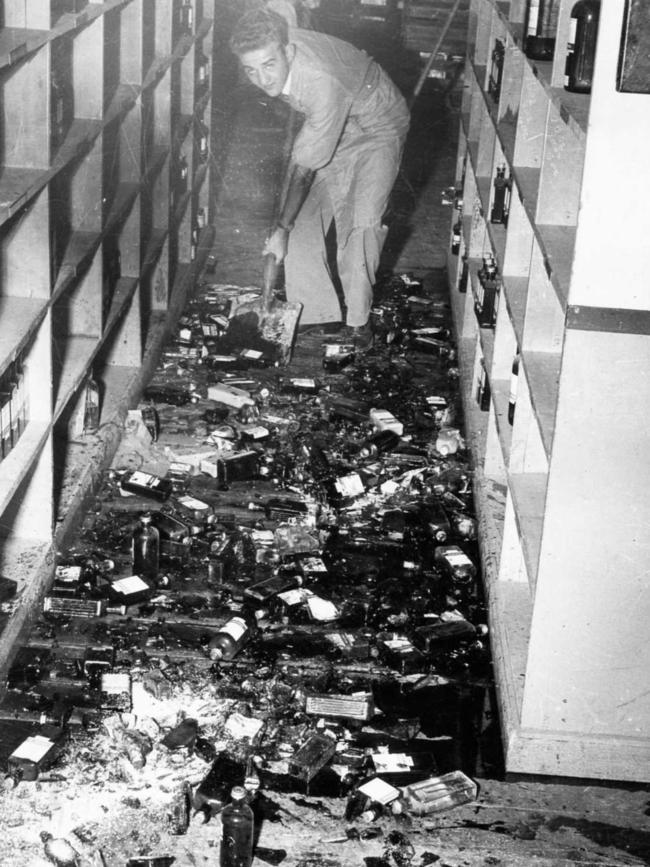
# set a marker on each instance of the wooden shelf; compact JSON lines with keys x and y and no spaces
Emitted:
{"x":16,"y":43}
{"x":154,"y":248}
{"x":527,"y":186}
{"x":125,"y":197}
{"x":20,"y":317}
{"x":543,"y":375}
{"x":500,"y":396}
{"x":124,"y":291}
{"x":77,"y":353}
{"x":528,"y":492}
{"x":15,"y":467}
{"x":515,"y":290}
{"x":558,"y":243}
{"x":17,"y":186}
{"x":82,"y":246}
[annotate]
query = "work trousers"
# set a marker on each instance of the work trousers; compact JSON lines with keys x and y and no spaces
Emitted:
{"x":353,"y":191}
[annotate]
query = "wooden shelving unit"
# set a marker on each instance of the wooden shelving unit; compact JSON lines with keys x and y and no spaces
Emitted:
{"x":97,"y":246}
{"x":565,"y":550}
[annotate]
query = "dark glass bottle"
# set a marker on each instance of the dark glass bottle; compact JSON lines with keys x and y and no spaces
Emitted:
{"x":146,"y":549}
{"x":456,"y":232}
{"x":540,"y":28}
{"x":581,"y":49}
{"x":379,"y":442}
{"x":229,"y":640}
{"x":237,"y":834}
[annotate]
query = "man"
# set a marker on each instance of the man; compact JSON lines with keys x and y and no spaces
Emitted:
{"x":343,"y":164}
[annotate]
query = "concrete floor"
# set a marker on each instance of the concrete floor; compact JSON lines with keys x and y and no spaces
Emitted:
{"x":513,"y":822}
{"x":517,"y":822}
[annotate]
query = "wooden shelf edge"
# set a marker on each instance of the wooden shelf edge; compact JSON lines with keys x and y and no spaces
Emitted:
{"x":17,"y":464}
{"x":21,"y":317}
{"x":124,"y":292}
{"x":82,"y":350}
{"x":577,"y":754}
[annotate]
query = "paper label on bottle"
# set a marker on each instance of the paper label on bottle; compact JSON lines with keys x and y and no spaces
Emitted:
{"x":386,"y":763}
{"x":312,"y":565}
{"x":332,"y":349}
{"x":193,"y":504}
{"x":303,"y":382}
{"x":235,"y":628}
{"x":379,"y":791}
{"x":253,"y":354}
{"x":115,"y":683}
{"x":350,"y":485}
{"x":146,"y":480}
{"x":68,"y":573}
{"x":400,"y":642}
{"x":322,"y":609}
{"x":295,"y":597}
{"x":132,"y":584}
{"x":263,"y":537}
{"x":457,"y":558}
{"x":33,"y":748}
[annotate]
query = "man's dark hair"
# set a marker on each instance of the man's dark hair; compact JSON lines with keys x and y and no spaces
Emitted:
{"x":258,"y":28}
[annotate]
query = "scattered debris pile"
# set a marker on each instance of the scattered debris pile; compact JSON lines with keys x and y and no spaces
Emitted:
{"x":277,"y":588}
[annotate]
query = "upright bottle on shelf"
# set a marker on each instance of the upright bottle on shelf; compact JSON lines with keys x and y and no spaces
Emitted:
{"x":186,"y":16}
{"x":539,"y":29}
{"x":456,"y":232}
{"x":581,"y":49}
{"x":237,"y":833}
{"x":514,"y":380}
{"x":146,"y":548}
{"x":501,"y":198}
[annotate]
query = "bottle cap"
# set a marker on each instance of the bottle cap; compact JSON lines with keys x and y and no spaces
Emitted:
{"x":238,"y":793}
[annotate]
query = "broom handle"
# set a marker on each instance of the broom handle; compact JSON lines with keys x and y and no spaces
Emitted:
{"x":425,"y":72}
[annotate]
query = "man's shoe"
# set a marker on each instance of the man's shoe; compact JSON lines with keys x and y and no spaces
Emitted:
{"x":360,"y":336}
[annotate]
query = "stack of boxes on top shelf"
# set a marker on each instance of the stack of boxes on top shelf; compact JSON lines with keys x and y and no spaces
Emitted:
{"x":550,"y":407}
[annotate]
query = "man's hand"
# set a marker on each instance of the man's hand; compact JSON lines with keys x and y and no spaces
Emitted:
{"x":276,"y":244}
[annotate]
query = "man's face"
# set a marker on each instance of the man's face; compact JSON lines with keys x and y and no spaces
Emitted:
{"x":268,"y":67}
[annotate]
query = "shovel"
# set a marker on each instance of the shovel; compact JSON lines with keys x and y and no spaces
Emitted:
{"x":275,"y":321}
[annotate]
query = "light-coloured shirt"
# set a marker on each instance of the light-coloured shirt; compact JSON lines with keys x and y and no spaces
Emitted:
{"x":342,"y":93}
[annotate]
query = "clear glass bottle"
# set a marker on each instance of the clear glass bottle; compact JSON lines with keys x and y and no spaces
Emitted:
{"x":145,"y":549}
{"x":237,"y":833}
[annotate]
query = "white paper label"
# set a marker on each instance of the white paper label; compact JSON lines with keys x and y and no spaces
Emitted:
{"x":379,"y":791}
{"x":313,"y":564}
{"x":398,"y":643}
{"x":386,"y":763}
{"x":294,"y":597}
{"x":350,"y":485}
{"x":133,"y":584}
{"x":254,"y":354}
{"x":115,"y":683}
{"x":33,"y":748}
{"x":303,"y":383}
{"x":68,"y":573}
{"x":145,"y":479}
{"x":457,"y":558}
{"x":193,"y":504}
{"x":235,"y":628}
{"x":322,"y":609}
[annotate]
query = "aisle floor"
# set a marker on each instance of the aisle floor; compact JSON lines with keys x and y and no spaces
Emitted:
{"x":111,"y":807}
